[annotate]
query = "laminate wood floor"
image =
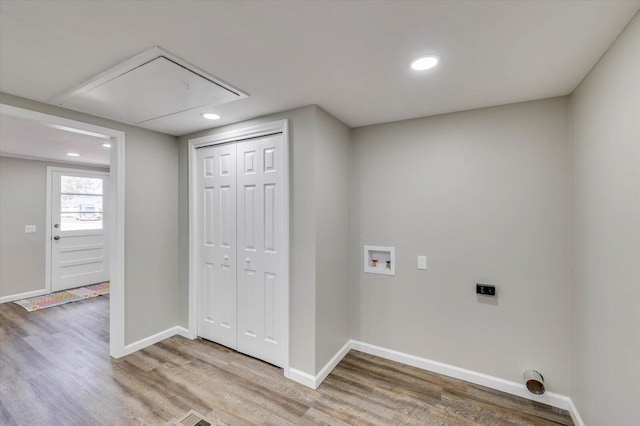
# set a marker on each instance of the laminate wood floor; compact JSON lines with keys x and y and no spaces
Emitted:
{"x":55,"y":370}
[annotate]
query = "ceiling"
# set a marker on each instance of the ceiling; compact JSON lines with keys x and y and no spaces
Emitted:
{"x":350,"y":57}
{"x":24,"y":138}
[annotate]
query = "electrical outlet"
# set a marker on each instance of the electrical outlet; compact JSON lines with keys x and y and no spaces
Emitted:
{"x":486,"y":289}
{"x":422,"y":262}
{"x":29,"y":229}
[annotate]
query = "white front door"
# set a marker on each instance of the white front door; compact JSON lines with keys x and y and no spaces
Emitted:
{"x":261,"y":291}
{"x":217,"y":243}
{"x":79,"y":253}
{"x":242,"y":262}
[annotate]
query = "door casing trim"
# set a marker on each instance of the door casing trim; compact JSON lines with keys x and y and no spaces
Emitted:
{"x":115,"y":220}
{"x":237,"y":135}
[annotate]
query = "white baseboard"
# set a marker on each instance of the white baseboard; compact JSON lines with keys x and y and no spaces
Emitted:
{"x":312,"y":381}
{"x":14,"y":297}
{"x":513,"y":388}
{"x":301,"y":377}
{"x":507,"y":386}
{"x":575,"y":416}
{"x":335,"y":360}
{"x":152,"y":340}
{"x":186,"y":333}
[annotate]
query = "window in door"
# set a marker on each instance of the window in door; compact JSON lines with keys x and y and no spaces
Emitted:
{"x":80,"y":203}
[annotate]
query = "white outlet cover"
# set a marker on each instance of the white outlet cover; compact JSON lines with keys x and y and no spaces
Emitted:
{"x":422,"y":262}
{"x":29,"y":229}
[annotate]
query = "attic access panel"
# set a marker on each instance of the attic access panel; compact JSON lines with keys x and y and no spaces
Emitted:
{"x":136,"y":92}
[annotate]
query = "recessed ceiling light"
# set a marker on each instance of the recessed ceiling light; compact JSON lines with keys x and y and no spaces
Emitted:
{"x":422,"y":64}
{"x":210,"y":116}
{"x":73,"y":154}
{"x":106,"y":145}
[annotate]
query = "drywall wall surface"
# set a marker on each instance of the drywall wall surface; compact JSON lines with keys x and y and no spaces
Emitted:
{"x":23,"y":201}
{"x":606,"y":237}
{"x":333,"y":201}
{"x":151,"y":221}
{"x":302,"y":142}
{"x":485,"y":196}
{"x":151,"y":239}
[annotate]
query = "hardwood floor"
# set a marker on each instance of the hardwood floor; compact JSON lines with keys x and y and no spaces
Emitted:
{"x":55,"y":370}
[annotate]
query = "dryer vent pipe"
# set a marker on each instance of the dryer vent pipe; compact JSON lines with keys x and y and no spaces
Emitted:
{"x":534,"y":381}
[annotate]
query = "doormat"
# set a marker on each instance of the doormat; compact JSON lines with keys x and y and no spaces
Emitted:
{"x":62,"y":297}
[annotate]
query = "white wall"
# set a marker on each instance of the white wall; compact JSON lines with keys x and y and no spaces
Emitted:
{"x":151,"y":233}
{"x":606,"y":238}
{"x":485,"y":195}
{"x":332,"y":203}
{"x":23,"y":200}
{"x":151,"y":215}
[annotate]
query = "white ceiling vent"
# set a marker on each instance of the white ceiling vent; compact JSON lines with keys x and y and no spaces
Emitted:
{"x":149,"y":86}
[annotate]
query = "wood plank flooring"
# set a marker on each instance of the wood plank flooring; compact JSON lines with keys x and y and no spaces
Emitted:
{"x":55,"y":370}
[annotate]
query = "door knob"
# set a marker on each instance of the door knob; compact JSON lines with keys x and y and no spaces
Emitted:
{"x":57,"y":237}
{"x":248,"y":260}
{"x":226,"y":257}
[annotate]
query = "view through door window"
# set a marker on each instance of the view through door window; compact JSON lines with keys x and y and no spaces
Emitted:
{"x":80,"y":203}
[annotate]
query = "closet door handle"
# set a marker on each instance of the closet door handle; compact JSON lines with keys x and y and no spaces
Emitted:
{"x":57,"y":237}
{"x":226,"y":257}
{"x":248,"y":260}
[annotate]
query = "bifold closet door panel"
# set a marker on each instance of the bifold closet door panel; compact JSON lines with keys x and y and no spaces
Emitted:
{"x":261,"y":258}
{"x":216,"y":204}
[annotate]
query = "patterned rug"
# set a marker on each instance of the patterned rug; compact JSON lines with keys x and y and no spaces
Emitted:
{"x":62,"y":297}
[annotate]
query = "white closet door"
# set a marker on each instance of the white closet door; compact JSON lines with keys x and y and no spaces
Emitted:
{"x":261,"y":260}
{"x":217,"y":243}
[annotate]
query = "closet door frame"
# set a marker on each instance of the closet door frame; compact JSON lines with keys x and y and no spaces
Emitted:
{"x":220,"y":137}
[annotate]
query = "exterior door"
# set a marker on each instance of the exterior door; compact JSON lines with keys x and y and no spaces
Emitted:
{"x":79,"y":252}
{"x":216,"y":182}
{"x":261,"y":258}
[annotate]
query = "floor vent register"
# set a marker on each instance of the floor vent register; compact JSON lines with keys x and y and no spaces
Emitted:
{"x":192,"y":418}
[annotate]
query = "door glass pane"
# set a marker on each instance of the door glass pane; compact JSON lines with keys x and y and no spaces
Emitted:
{"x":80,"y":203}
{"x":81,"y":185}
{"x":80,"y":221}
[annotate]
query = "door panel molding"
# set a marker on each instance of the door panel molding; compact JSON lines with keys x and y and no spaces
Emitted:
{"x":260,"y":237}
{"x":258,"y":162}
{"x":216,"y":179}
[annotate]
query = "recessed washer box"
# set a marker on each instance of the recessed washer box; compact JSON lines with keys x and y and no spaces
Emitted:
{"x":151,"y":85}
{"x":380,"y":260}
